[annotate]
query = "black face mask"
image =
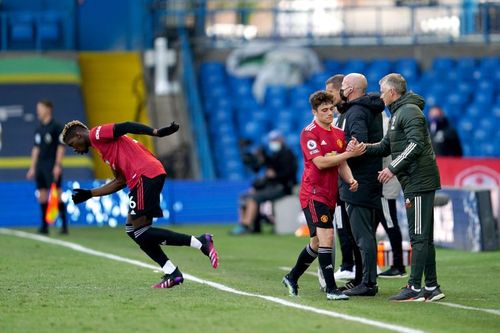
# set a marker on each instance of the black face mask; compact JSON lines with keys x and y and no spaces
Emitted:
{"x":342,"y":96}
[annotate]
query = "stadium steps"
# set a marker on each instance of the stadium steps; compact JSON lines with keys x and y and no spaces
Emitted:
{"x":108,"y":81}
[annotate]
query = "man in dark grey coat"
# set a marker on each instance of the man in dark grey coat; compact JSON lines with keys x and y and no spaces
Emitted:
{"x":414,"y":163}
{"x":361,"y":118}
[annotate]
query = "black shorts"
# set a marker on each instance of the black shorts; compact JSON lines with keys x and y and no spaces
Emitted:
{"x":44,"y":178}
{"x":144,"y":198}
{"x":318,"y":215}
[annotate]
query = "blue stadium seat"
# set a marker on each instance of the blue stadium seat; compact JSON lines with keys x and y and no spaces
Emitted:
{"x":475,"y":111}
{"x":376,"y":70}
{"x":408,"y":68}
{"x":484,"y":96}
{"x":443,"y":65}
{"x":332,"y":66}
{"x":48,"y":28}
{"x":354,"y":66}
{"x":21,"y":28}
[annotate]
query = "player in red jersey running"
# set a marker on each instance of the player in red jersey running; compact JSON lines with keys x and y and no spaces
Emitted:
{"x":136,"y":167}
{"x":323,"y":147}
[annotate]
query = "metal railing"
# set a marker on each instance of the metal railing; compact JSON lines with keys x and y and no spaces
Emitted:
{"x":233,"y":25}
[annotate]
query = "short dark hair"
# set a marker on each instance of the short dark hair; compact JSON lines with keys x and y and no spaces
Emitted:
{"x":47,"y":103}
{"x":336,"y":81}
{"x":320,"y":97}
{"x":71,"y":128}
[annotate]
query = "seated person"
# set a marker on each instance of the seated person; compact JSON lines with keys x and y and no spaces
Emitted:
{"x":444,"y":138}
{"x":278,"y":181}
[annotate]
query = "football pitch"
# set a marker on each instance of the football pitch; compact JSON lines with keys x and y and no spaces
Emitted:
{"x":97,"y":280}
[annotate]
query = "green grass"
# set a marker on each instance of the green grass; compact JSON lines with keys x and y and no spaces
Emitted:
{"x":48,"y":288}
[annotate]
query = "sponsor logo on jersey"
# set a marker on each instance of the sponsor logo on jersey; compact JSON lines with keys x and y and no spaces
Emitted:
{"x":311,"y":144}
{"x":97,"y":132}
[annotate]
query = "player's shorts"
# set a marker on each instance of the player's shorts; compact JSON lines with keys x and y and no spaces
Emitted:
{"x":318,"y":215}
{"x":144,"y":198}
{"x":44,"y":178}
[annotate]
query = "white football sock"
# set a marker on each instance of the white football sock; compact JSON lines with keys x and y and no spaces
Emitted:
{"x":168,"y":268}
{"x":195,"y":243}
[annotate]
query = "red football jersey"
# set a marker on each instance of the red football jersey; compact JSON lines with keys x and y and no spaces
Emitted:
{"x":320,"y":185}
{"x":125,"y":155}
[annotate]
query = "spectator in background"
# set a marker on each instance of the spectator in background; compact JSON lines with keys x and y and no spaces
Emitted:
{"x":46,"y":162}
{"x":278,"y":181}
{"x":444,"y":137}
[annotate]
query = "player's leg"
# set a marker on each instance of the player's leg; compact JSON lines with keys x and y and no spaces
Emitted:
{"x":136,"y":229}
{"x":42,"y":192}
{"x":305,"y":258}
{"x":388,"y":218}
{"x":145,"y":201}
{"x":347,"y":244}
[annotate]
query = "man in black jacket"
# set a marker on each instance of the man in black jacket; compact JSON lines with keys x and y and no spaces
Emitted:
{"x":361,"y":119}
{"x":414,"y":163}
{"x":279,"y":179}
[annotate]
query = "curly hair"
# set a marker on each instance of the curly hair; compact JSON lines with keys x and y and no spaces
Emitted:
{"x":320,"y":97}
{"x":70,"y":129}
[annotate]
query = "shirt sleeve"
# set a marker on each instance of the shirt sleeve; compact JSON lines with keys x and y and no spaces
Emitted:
{"x":309,"y":145}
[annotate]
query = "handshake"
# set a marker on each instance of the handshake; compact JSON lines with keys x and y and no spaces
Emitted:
{"x":355,"y":147}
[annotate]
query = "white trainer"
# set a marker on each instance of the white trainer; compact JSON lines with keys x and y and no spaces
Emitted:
{"x":345,"y":275}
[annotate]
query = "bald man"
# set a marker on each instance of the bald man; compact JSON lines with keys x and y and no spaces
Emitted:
{"x":361,"y":118}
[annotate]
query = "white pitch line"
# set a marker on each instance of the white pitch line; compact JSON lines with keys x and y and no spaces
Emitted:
{"x":329,"y":313}
{"x":452,"y":305}
{"x":222,"y":287}
{"x":287,"y":269}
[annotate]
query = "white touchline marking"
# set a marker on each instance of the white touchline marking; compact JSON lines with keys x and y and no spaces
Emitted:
{"x":287,"y":269}
{"x":453,"y":305}
{"x":80,"y":248}
{"x":459,"y":306}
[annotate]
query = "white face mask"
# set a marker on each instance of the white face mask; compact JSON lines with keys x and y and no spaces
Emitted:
{"x":274,"y":146}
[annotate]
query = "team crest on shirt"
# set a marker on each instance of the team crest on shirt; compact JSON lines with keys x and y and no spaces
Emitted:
{"x":340,"y":143}
{"x":324,"y":218}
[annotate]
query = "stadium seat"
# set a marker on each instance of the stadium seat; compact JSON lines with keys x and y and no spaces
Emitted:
{"x":408,"y":68}
{"x":48,"y":27}
{"x":332,"y":66}
{"x":443,"y":65}
{"x":354,"y":66}
{"x":21,"y":28}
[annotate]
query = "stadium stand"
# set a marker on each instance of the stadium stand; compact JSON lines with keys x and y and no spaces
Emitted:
{"x":467,"y":88}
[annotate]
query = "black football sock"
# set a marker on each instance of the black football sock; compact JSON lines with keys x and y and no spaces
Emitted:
{"x":305,"y":259}
{"x":153,"y":251}
{"x":62,"y":214}
{"x":326,"y":264}
{"x":44,"y":227}
{"x":163,"y":236}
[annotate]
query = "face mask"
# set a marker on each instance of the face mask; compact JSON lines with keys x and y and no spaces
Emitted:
{"x":274,"y":146}
{"x":342,"y":95}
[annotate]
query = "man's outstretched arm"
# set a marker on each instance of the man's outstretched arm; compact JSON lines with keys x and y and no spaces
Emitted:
{"x":120,"y":129}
